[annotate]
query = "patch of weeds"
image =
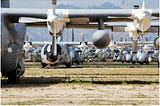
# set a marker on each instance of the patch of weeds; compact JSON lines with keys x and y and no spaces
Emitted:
{"x":124,"y":82}
{"x":140,"y":95}
{"x":71,"y":102}
{"x":90,"y":89}
{"x":134,"y":104}
{"x":98,"y":102}
{"x":155,"y":88}
{"x":6,"y":90}
{"x":33,"y":102}
{"x":73,"y":87}
{"x":134,"y":87}
{"x":42,"y":89}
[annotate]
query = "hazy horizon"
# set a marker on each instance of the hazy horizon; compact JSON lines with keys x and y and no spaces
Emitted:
{"x":82,"y":3}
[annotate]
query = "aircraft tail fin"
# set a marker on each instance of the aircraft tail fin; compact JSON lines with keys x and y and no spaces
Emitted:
{"x":5,"y":3}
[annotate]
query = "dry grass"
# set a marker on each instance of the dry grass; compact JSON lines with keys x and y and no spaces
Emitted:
{"x":122,"y":86}
{"x":92,"y":71}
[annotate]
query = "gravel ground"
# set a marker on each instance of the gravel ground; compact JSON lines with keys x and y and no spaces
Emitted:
{"x":34,"y":90}
{"x":81,"y":94}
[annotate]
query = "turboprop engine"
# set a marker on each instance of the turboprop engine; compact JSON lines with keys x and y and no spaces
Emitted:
{"x":101,"y":39}
{"x":62,"y":57}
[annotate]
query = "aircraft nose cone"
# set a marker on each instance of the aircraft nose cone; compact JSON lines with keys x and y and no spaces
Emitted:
{"x":128,"y":57}
{"x":134,"y":58}
{"x":141,"y":58}
{"x":101,"y":39}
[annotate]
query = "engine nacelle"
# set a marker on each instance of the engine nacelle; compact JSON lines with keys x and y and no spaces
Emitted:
{"x":128,"y":57}
{"x":141,"y":57}
{"x":62,"y":57}
{"x":101,"y":39}
{"x":156,"y":43}
{"x":46,"y":54}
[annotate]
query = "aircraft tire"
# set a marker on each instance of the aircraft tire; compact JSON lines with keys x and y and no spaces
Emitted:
{"x":122,"y":61}
{"x":78,"y":63}
{"x":13,"y":76}
{"x":133,"y":62}
{"x":147,"y":63}
{"x":43,"y":65}
{"x":141,"y":63}
{"x":68,"y":65}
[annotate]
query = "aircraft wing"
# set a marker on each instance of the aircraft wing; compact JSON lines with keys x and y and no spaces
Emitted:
{"x":99,"y":13}
{"x":14,"y":14}
{"x":77,"y":17}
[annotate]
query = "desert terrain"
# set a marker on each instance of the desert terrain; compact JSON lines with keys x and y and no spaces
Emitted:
{"x":83,"y":86}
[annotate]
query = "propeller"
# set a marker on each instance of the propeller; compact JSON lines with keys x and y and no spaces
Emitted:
{"x":50,"y":23}
{"x":55,"y":24}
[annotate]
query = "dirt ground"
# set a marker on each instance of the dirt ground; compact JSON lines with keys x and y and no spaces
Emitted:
{"x":81,"y":94}
{"x":41,"y":92}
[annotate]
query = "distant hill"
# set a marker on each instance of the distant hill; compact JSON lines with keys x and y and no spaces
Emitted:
{"x":105,"y":5}
{"x":68,"y":6}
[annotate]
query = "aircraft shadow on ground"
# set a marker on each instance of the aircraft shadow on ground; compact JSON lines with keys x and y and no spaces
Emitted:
{"x":123,"y":82}
{"x":34,"y":82}
{"x":46,"y":81}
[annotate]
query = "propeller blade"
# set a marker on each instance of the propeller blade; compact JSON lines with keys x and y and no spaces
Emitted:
{"x":54,"y":2}
{"x":31,"y":20}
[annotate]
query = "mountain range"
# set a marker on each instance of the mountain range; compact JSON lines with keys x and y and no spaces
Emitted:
{"x":105,"y":5}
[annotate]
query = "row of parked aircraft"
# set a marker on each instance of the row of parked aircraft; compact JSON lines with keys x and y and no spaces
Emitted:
{"x":14,"y":22}
{"x":75,"y":54}
{"x":142,"y":56}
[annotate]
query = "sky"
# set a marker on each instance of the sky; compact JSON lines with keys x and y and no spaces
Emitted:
{"x":81,"y":3}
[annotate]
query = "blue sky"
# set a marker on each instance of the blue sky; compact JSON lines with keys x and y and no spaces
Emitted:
{"x":82,"y":3}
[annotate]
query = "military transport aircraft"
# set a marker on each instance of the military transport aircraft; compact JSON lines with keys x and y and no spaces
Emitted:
{"x":14,"y":22}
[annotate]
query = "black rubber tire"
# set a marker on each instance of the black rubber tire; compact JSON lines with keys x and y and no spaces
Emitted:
{"x":68,"y":65}
{"x":43,"y":65}
{"x":12,"y":77}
